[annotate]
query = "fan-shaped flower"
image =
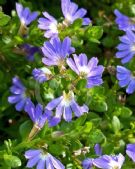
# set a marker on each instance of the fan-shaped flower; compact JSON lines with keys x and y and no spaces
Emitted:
{"x":26,"y":17}
{"x":87,"y":70}
{"x":124,"y":22}
{"x":42,"y":160}
{"x":87,"y":163}
{"x":49,"y":24}
{"x":130,"y":151}
{"x":55,"y":51}
{"x":65,"y":105}
{"x":19,"y":94}
{"x":39,"y":115}
{"x":29,"y":51}
{"x":126,"y":49}
{"x":41,"y":75}
{"x":109,"y":162}
{"x":71,"y":12}
{"x":126,"y":78}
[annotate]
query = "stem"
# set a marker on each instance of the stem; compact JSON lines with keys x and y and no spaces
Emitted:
{"x":72,"y":87}
{"x":33,"y":132}
{"x":23,"y":30}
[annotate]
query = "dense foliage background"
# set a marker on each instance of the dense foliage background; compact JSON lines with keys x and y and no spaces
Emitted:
{"x":111,"y":121}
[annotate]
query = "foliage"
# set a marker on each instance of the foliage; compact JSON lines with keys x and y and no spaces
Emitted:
{"x":110,"y":120}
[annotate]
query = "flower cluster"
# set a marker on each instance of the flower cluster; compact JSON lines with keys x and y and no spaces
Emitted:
{"x":55,"y":53}
{"x":126,"y":51}
{"x":109,"y":161}
{"x":59,"y":54}
{"x":42,"y":160}
{"x":26,"y":18}
{"x":71,"y":13}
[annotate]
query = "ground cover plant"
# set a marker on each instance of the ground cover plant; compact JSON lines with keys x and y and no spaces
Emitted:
{"x":67,"y":84}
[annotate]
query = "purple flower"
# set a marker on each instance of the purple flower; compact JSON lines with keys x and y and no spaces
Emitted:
{"x":19,"y":94}
{"x":130,"y":151}
{"x":126,"y":47}
{"x":55,"y":51}
{"x":42,"y":160}
{"x":87,"y":163}
{"x":65,"y":105}
{"x":126,"y":79}
{"x":41,"y":75}
{"x":98,"y":149}
{"x":26,"y":17}
{"x":71,"y":12}
{"x":87,"y":70}
{"x":124,"y":23}
{"x":49,"y":24}
{"x":109,"y":162}
{"x":29,"y":51}
{"x":36,"y":113}
{"x":39,"y":116}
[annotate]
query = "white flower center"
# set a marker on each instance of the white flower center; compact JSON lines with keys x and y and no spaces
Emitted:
{"x":67,"y":98}
{"x":114,"y":165}
{"x":45,"y":70}
{"x":43,"y":156}
{"x":69,"y":18}
{"x":53,"y":28}
{"x":84,"y":71}
{"x":133,"y":48}
{"x":23,"y":21}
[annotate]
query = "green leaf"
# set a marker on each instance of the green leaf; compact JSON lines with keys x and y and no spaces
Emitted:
{"x":12,"y":161}
{"x":81,"y":120}
{"x":56,"y":149}
{"x":25,"y":129}
{"x":96,"y":136}
{"x":87,"y":127}
{"x":4,"y":19}
{"x":76,"y":24}
{"x":75,"y":145}
{"x":126,"y":112}
{"x":115,"y":124}
{"x":98,"y":105}
{"x":94,"y":33}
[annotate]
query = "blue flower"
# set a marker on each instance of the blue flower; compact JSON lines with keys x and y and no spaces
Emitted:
{"x":29,"y":51}
{"x":124,"y":22}
{"x":40,"y":116}
{"x":19,"y":94}
{"x":65,"y":105}
{"x":130,"y":151}
{"x":109,"y":162}
{"x":41,"y":75}
{"x":98,"y":149}
{"x":126,"y":78}
{"x":126,"y":47}
{"x":36,"y":114}
{"x":87,"y":70}
{"x":55,"y":51}
{"x":71,"y":12}
{"x":42,"y":160}
{"x":88,"y":163}
{"x":26,"y":17}
{"x":49,"y":24}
